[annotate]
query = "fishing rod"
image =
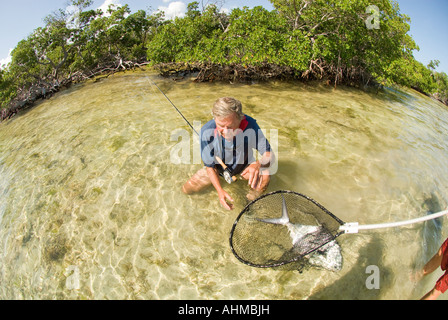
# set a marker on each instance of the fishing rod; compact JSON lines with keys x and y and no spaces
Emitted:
{"x":227,"y":174}
{"x":175,"y":107}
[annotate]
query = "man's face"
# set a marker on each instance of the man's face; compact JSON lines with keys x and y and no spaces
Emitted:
{"x":227,"y":126}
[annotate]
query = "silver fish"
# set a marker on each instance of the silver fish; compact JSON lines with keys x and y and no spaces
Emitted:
{"x":304,"y":238}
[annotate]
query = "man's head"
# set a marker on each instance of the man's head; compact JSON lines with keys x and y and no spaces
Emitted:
{"x":227,"y":106}
{"x":228,"y":114}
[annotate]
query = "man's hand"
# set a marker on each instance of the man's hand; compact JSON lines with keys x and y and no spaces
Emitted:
{"x":252,"y":174}
{"x":225,"y":199}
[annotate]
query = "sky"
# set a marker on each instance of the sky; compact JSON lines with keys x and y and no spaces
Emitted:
{"x":429,"y":28}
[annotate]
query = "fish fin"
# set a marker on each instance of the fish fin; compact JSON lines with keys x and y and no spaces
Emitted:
{"x":285,"y":216}
{"x":284,"y":220}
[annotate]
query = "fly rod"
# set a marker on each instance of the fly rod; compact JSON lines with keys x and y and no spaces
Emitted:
{"x":175,"y":107}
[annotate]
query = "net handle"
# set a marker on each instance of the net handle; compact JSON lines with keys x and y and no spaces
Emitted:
{"x":354,"y":227}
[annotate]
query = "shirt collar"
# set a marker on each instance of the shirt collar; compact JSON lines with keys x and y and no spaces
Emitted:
{"x":243,"y":125}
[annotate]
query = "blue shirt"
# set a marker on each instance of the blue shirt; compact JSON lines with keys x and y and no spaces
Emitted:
{"x":236,"y":154}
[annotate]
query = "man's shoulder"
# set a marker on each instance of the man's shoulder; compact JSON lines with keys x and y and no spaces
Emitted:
{"x":250,"y":119}
{"x":208,"y":129}
{"x":252,"y":123}
{"x":209,"y":125}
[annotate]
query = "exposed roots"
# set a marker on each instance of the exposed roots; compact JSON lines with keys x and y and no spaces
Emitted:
{"x":45,"y":88}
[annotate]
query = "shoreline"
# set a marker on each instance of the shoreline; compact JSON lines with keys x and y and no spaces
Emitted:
{"x":201,"y":72}
{"x":36,"y":93}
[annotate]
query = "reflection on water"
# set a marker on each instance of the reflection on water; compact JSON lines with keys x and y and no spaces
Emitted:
{"x":91,"y":207}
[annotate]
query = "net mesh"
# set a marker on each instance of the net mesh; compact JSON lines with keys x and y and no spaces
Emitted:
{"x":260,"y":244}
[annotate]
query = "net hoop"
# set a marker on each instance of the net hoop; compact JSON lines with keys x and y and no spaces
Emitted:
{"x":282,"y":263}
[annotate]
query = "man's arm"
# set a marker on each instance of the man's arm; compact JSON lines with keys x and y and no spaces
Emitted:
{"x":430,"y":267}
{"x":433,"y":264}
{"x":432,"y":295}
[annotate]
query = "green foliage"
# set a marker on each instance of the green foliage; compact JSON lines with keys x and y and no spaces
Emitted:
{"x":411,"y":73}
{"x":247,"y":37}
{"x":326,"y":37}
{"x":75,"y":44}
{"x":179,"y":40}
{"x":7,"y":91}
{"x":441,"y":91}
{"x":256,"y":36}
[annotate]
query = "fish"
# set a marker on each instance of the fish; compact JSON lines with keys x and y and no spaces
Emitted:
{"x":305,"y":238}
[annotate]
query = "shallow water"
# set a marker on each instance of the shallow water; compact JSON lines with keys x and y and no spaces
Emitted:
{"x":91,"y":206}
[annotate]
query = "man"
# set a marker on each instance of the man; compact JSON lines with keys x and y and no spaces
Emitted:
{"x":440,"y":259}
{"x":231,"y":137}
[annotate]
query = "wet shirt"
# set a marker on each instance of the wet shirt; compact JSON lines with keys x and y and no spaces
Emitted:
{"x":236,"y":154}
{"x":442,"y":283}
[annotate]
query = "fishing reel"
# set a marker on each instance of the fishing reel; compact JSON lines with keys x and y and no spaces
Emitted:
{"x":228,"y":177}
{"x":226,"y":174}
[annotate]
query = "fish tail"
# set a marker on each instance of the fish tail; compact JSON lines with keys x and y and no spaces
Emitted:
{"x":284,"y":220}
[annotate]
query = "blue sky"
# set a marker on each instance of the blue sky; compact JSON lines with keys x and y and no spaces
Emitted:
{"x":428,"y":20}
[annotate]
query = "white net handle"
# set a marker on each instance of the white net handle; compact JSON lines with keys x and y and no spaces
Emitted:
{"x":354,"y":227}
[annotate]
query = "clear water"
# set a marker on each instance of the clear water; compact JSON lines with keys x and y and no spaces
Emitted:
{"x":91,"y":204}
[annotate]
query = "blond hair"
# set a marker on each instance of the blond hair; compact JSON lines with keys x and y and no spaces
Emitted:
{"x":226,"y":106}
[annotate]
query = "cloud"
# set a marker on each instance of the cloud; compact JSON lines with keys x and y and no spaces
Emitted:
{"x":73,"y":12}
{"x":174,"y":9}
{"x":105,"y":6}
{"x":226,"y":11}
{"x":4,"y":62}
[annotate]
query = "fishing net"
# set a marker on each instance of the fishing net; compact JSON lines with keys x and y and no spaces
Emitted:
{"x":258,"y":238}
